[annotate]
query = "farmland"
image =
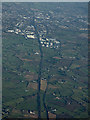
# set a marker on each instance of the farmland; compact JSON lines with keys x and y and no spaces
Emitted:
{"x":45,"y":61}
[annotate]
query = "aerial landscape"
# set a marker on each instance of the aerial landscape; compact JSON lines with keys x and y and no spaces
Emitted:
{"x":44,"y":60}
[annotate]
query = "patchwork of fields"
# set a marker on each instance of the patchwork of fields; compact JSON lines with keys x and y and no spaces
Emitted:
{"x":45,"y":75}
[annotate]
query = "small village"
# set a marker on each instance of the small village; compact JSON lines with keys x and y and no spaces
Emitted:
{"x":28,"y":34}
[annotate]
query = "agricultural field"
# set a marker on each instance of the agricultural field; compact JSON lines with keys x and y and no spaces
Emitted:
{"x":45,"y":60}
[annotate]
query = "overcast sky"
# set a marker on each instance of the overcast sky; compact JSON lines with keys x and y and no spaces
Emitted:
{"x":44,"y":0}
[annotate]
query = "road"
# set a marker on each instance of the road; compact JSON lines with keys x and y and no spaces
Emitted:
{"x":39,"y":77}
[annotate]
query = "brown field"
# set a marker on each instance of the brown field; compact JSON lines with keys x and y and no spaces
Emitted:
{"x":25,"y":59}
{"x":52,"y":86}
{"x":16,"y":111}
{"x":30,"y":116}
{"x":31,"y":76}
{"x":34,"y":116}
{"x":51,"y":115}
{"x":43,"y":85}
{"x":57,"y":58}
{"x":19,"y":56}
{"x":33,"y":85}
